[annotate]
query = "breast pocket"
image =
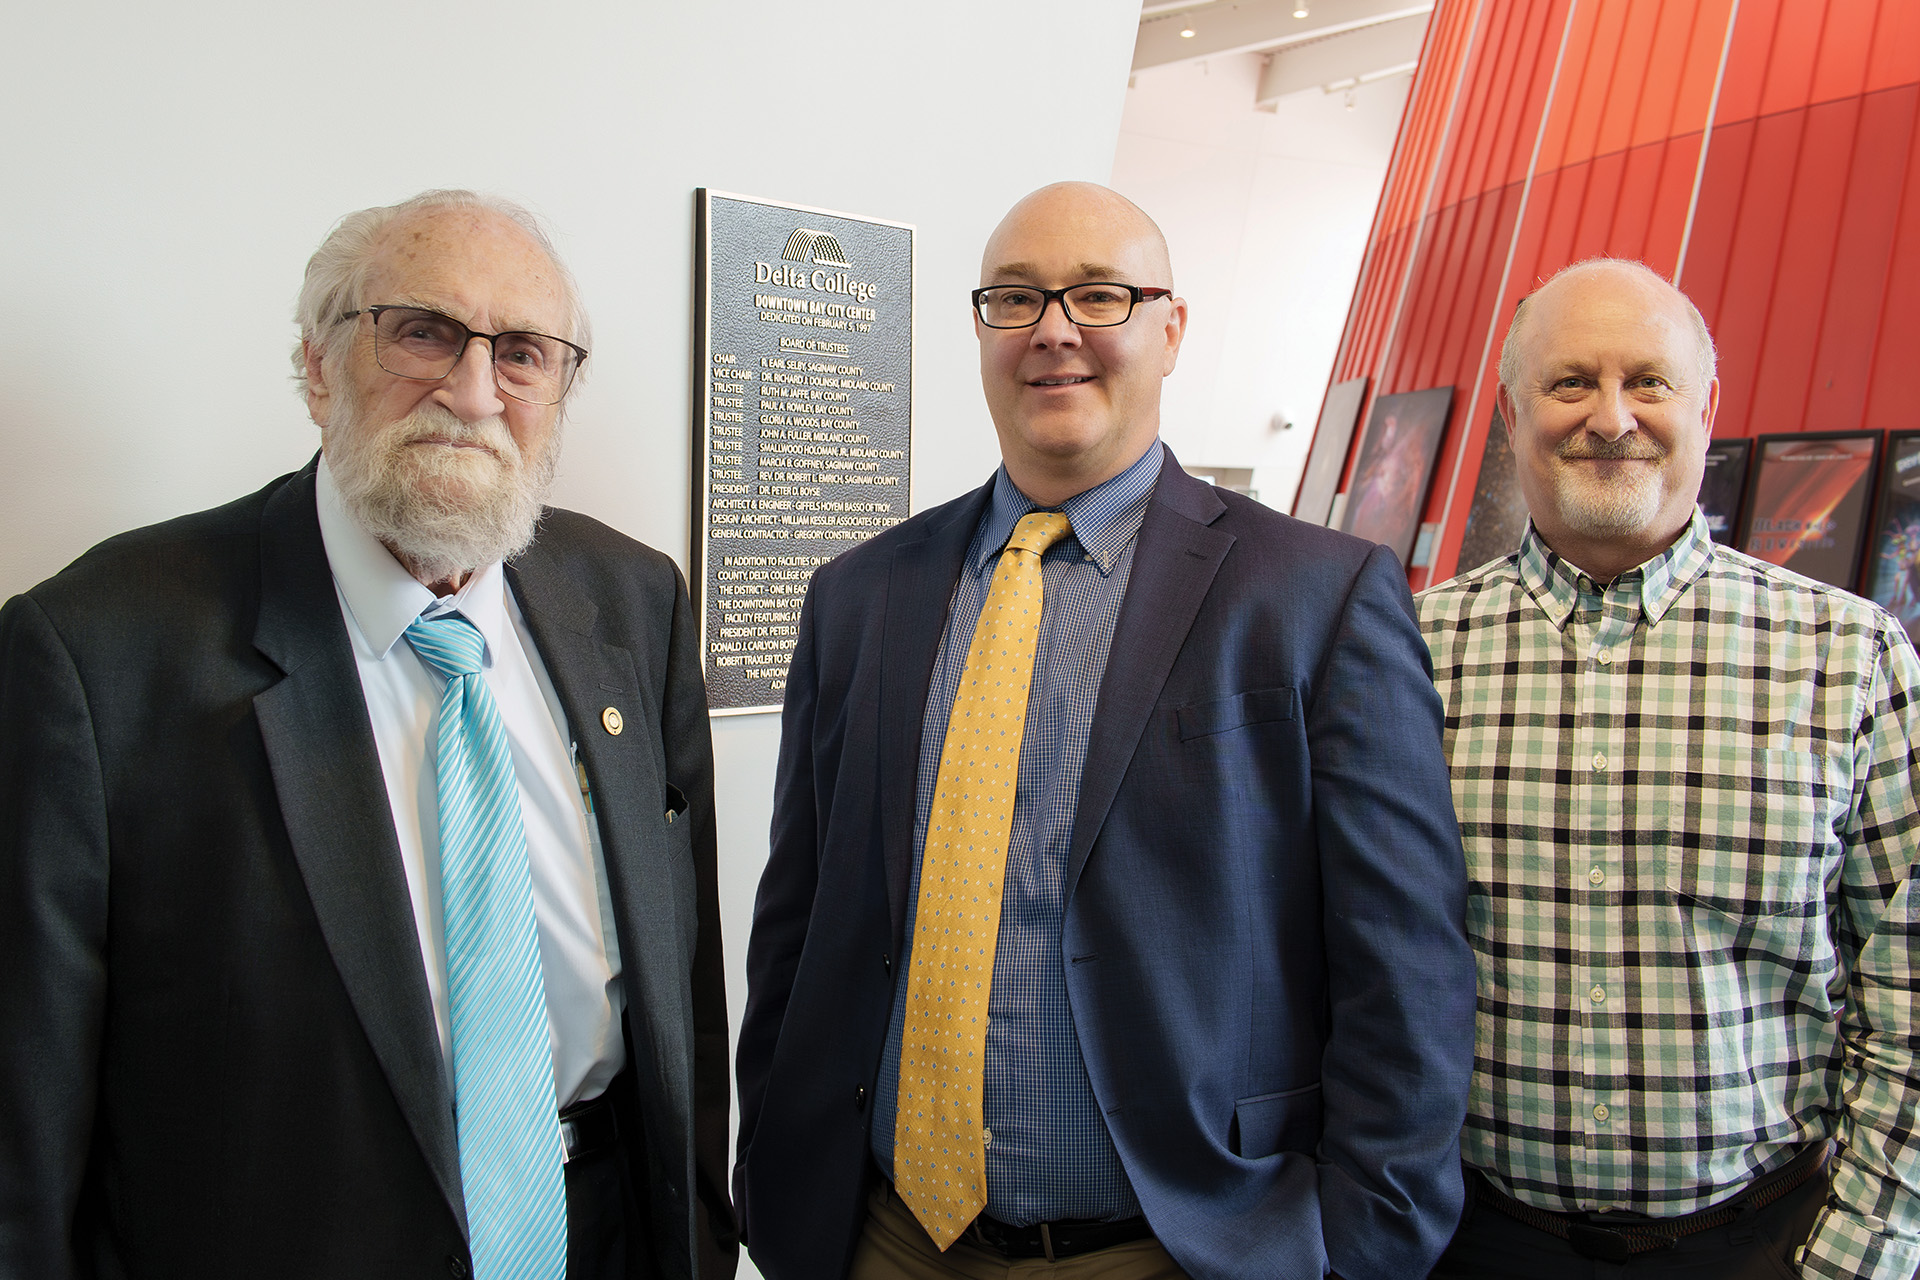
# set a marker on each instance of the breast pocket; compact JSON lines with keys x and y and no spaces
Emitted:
{"x":1752,"y":832}
{"x":1220,"y":715}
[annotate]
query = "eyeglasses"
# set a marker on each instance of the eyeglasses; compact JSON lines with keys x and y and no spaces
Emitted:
{"x":1098,"y":304}
{"x":413,"y":342}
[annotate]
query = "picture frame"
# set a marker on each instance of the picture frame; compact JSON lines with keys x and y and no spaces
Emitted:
{"x":1395,"y":466}
{"x":1327,"y":457}
{"x":1723,"y":484}
{"x":1807,"y":501}
{"x":1497,"y":518}
{"x":1892,"y":574}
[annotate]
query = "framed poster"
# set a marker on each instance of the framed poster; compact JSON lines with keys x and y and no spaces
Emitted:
{"x":1498,"y":517}
{"x":1806,"y":505}
{"x":1722,"y":484}
{"x":1893,"y":552}
{"x":802,"y":420}
{"x":1327,"y":457}
{"x":1396,"y":462}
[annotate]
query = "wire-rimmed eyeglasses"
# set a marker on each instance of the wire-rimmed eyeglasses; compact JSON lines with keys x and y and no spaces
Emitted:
{"x":425,"y":346}
{"x":1097,"y":304}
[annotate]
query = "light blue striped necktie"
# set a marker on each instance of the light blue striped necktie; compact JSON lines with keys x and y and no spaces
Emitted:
{"x":509,"y":1127}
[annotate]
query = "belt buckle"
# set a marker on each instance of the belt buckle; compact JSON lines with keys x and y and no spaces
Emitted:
{"x":1603,"y":1244}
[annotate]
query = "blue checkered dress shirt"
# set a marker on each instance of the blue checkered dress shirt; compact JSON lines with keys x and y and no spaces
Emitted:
{"x":1049,"y":1155}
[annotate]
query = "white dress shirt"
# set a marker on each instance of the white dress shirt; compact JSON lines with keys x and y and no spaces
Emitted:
{"x":579,"y":954}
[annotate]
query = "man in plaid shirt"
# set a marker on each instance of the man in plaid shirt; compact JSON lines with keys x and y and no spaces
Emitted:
{"x":1685,"y":785}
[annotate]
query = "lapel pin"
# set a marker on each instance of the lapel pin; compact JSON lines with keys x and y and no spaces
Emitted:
{"x":611,"y":719}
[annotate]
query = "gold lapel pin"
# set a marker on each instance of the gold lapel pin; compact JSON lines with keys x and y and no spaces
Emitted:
{"x":611,"y":719}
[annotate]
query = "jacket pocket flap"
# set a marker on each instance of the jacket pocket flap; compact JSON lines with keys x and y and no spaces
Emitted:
{"x":1198,"y":719}
{"x":1275,"y":1122}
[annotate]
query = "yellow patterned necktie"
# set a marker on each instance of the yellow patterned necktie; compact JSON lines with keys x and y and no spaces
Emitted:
{"x":939,"y":1148}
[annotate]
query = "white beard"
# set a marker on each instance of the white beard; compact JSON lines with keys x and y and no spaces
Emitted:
{"x":1615,"y":509}
{"x":442,"y":511}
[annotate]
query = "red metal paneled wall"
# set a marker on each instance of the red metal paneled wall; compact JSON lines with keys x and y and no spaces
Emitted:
{"x":1765,"y":153}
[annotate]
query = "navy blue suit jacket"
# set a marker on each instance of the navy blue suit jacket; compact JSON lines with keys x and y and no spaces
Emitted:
{"x":1265,"y":892}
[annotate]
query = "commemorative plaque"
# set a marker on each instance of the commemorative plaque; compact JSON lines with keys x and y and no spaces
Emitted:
{"x":802,"y":423}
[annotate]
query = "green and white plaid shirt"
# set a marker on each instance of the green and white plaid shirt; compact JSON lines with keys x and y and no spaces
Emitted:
{"x":1691,"y":824}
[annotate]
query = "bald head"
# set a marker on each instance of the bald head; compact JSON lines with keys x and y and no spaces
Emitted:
{"x":1076,"y":403}
{"x":1076,"y":214}
{"x":1660,"y":296}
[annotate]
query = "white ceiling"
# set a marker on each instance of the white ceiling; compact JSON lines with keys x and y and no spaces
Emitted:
{"x":1324,"y":45}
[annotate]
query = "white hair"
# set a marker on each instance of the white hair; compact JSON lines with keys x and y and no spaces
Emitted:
{"x":1510,"y":349}
{"x":338,"y":270}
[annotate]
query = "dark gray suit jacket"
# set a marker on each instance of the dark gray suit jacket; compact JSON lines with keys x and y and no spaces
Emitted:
{"x":217,"y":1051}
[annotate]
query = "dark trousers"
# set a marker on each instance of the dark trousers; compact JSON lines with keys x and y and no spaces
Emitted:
{"x":599,"y":1207}
{"x":606,"y":1217}
{"x":1761,"y":1245}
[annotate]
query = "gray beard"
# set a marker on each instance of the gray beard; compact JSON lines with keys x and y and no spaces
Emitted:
{"x":442,"y":512}
{"x":1614,"y":511}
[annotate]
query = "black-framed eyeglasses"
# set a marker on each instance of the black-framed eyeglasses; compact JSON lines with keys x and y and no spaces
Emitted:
{"x":1098,"y":304}
{"x":413,"y":342}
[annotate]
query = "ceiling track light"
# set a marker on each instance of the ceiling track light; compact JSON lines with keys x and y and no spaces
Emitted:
{"x":1300,"y":10}
{"x":1186,"y":33}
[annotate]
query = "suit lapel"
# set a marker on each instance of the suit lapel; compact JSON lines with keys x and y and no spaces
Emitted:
{"x":628,"y":780}
{"x":1174,"y":565}
{"x":333,"y":797}
{"x":920,"y":583}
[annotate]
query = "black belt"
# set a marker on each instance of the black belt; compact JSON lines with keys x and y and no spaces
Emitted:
{"x":1606,"y":1238}
{"x":588,"y":1128}
{"x":1067,"y":1238}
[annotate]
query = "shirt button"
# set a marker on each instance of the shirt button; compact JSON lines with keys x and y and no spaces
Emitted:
{"x":1601,"y":1113}
{"x":1599,"y":762}
{"x":1598,"y":995}
{"x":987,"y":1136}
{"x":1596,"y":876}
{"x":1605,"y":658}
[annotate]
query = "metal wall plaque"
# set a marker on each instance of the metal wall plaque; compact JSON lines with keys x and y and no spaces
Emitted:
{"x":802,"y":424}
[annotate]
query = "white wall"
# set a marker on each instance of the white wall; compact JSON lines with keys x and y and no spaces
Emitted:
{"x":166,"y":169}
{"x":1267,"y":216}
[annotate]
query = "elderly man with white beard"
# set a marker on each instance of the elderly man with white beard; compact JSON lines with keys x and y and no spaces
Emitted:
{"x":358,"y":912}
{"x":1685,"y":783}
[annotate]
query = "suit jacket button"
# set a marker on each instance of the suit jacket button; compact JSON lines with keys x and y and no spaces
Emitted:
{"x":886,"y":962}
{"x":457,"y":1267}
{"x":860,"y":1097}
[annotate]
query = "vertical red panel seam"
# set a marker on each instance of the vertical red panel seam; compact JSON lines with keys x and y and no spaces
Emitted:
{"x":1706,"y":140}
{"x":1401,"y":140}
{"x":1893,"y":248}
{"x":1506,"y":272}
{"x":1378,"y":280}
{"x":1613,"y":213}
{"x":1446,"y":259}
{"x":1639,"y":112}
{"x":1426,"y":205}
{"x":1718,"y":304}
{"x":1786,"y":215}
{"x":1833,"y":256}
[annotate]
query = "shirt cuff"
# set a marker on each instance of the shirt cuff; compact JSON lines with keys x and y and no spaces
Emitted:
{"x":1851,"y":1246}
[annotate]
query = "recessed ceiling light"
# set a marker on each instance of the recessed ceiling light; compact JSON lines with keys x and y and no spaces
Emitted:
{"x":1186,"y":33}
{"x":1300,"y":11}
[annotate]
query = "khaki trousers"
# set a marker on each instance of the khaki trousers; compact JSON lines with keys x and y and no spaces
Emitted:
{"x":893,"y":1246}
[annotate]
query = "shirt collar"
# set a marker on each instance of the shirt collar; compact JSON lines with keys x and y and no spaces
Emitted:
{"x":382,"y":596}
{"x":1105,"y":518}
{"x":1555,"y":584}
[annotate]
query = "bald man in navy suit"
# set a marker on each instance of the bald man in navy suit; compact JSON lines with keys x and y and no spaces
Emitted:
{"x":1230,"y":1024}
